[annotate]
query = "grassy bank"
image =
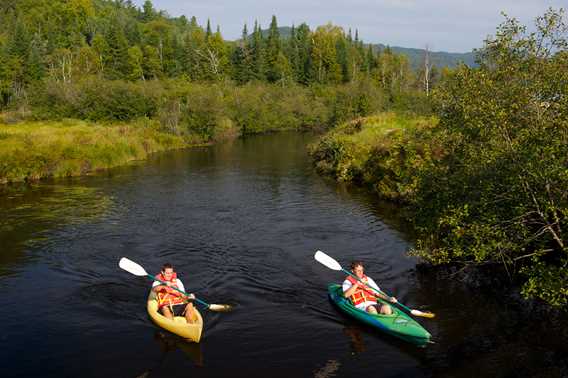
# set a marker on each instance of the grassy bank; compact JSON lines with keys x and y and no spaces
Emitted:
{"x":382,"y":151}
{"x":35,"y":150}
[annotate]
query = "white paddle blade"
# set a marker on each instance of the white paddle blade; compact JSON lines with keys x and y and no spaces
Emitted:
{"x":327,"y":260}
{"x":131,"y":267}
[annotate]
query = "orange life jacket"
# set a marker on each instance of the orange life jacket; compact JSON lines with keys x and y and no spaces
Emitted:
{"x":168,"y":296}
{"x":361,"y":294}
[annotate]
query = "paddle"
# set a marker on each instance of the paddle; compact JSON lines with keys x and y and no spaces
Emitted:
{"x":331,"y":263}
{"x":131,"y":267}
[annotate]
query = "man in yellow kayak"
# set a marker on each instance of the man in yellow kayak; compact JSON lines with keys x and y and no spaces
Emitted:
{"x":361,"y":295}
{"x":171,"y":302}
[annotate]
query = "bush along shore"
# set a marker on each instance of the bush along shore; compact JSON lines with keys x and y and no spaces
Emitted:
{"x":486,"y":183}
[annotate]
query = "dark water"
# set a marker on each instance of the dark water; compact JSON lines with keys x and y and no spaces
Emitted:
{"x":241,"y":223}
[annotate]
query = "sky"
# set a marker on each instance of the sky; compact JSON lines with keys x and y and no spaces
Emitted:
{"x":442,"y":25}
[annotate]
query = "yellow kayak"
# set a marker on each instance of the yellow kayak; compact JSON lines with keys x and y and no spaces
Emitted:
{"x":178,"y":325}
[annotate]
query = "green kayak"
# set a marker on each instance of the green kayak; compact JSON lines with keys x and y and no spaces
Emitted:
{"x":398,"y":324}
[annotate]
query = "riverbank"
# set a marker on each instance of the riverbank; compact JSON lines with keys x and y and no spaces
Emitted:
{"x":35,"y":150}
{"x":382,"y":151}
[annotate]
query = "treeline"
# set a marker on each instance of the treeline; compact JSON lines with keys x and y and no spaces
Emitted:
{"x":488,"y":182}
{"x":66,"y":41}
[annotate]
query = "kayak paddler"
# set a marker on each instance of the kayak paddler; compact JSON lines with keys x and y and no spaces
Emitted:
{"x":171,"y":302}
{"x":363,"y":297}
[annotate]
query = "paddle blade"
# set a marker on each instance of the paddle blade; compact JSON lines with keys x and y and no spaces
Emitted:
{"x":327,"y":260}
{"x":220,"y":307}
{"x":131,"y":267}
{"x":426,"y":314}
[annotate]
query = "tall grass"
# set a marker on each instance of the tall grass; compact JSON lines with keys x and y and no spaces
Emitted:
{"x":384,"y":151}
{"x":34,"y":150}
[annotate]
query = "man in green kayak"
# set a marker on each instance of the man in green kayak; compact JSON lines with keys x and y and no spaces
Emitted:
{"x":361,"y":294}
{"x":171,"y":302}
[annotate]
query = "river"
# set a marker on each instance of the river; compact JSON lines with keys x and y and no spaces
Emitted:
{"x":241,"y":222}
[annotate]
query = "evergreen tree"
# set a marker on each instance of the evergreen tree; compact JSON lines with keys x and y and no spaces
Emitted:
{"x":148,"y":13}
{"x":273,"y":51}
{"x":343,"y":60}
{"x":258,"y":56}
{"x":208,"y":32}
{"x":193,"y":63}
{"x":241,"y":59}
{"x":117,"y":52}
{"x":304,"y":47}
{"x":135,"y":61}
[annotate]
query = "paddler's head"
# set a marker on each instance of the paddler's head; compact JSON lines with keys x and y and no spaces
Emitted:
{"x":358,"y":269}
{"x":167,"y":271}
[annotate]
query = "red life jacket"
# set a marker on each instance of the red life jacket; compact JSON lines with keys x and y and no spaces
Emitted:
{"x":361,"y":294}
{"x":168,"y":296}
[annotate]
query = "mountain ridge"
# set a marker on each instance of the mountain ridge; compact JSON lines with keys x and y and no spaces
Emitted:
{"x":415,"y":56}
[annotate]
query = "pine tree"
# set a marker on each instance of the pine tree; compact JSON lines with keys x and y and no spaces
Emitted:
{"x":257,"y":48}
{"x":117,"y":52}
{"x":241,"y":59}
{"x":148,"y":13}
{"x":273,"y":50}
{"x":304,"y":46}
{"x":208,"y":32}
{"x":194,"y":45}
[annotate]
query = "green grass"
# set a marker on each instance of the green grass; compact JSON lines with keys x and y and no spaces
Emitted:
{"x":382,"y":151}
{"x":35,"y":150}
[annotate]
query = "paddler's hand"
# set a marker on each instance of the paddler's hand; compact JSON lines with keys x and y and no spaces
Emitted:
{"x":393,"y":300}
{"x":191,"y":296}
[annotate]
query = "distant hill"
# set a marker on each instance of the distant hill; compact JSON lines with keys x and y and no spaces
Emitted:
{"x":438,"y":58}
{"x":416,"y":56}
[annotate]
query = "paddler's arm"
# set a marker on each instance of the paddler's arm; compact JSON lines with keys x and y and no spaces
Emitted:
{"x":386,"y":297}
{"x":158,"y":286}
{"x":379,"y":293}
{"x":182,"y":288}
{"x":349,"y":292}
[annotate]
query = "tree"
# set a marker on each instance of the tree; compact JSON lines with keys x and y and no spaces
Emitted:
{"x":215,"y":56}
{"x":273,"y":52}
{"x":241,"y":59}
{"x":498,"y":193}
{"x":135,"y":61}
{"x":151,"y":66}
{"x":116,"y":53}
{"x":258,"y":56}
{"x":427,"y":66}
{"x":303,"y":63}
{"x":324,"y":54}
{"x":148,"y":13}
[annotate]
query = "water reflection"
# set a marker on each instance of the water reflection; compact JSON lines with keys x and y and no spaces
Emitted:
{"x":29,"y":212}
{"x":356,"y":339}
{"x":328,"y":370}
{"x":169,"y":344}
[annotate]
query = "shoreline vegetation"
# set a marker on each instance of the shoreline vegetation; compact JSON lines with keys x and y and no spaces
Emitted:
{"x":69,"y":129}
{"x":31,"y":151}
{"x":475,"y":156}
{"x":484,"y":182}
